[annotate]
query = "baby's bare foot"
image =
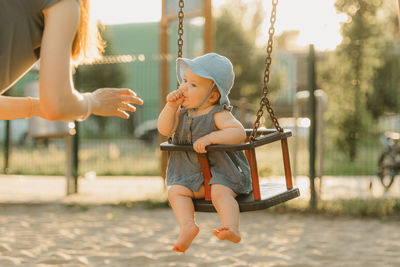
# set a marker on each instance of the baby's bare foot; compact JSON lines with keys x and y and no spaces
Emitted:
{"x":186,"y":236}
{"x":227,"y":233}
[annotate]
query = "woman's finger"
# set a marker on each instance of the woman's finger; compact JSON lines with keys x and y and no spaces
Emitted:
{"x":132,"y":99}
{"x":122,"y":114}
{"x":123,"y":91}
{"x":128,"y":107}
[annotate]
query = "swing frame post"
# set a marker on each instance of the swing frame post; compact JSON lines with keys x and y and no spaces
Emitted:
{"x":286,"y":164}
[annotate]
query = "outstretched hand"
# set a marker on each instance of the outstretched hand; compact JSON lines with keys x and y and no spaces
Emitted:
{"x":175,"y":98}
{"x":114,"y":102}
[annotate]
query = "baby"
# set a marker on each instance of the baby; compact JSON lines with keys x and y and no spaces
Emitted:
{"x":199,"y":113}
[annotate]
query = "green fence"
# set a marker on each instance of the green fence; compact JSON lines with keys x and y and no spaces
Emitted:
{"x":119,"y":151}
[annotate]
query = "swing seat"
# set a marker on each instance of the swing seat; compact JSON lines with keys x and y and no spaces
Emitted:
{"x":263,"y":196}
{"x":271,"y":194}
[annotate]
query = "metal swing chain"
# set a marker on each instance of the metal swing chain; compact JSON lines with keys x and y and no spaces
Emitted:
{"x":264,"y":100}
{"x":180,"y":31}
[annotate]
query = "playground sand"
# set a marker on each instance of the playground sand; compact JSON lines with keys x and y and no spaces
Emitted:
{"x":103,"y":235}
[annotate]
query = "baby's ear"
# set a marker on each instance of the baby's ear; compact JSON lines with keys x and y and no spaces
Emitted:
{"x":214,"y":96}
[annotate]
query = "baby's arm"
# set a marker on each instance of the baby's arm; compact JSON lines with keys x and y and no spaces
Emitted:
{"x":169,"y":116}
{"x":230,"y":131}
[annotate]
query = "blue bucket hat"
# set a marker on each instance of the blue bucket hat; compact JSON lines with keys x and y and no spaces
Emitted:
{"x":211,"y":66}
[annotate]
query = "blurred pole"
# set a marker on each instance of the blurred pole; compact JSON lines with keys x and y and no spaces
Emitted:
{"x":74,"y":146}
{"x":164,"y":79}
{"x":68,"y":164}
{"x":208,"y":27}
{"x":312,"y":116}
{"x":75,"y":158}
{"x":7,"y":144}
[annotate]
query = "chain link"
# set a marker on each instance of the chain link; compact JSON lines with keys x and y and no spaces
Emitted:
{"x":264,"y":102}
{"x":180,"y":31}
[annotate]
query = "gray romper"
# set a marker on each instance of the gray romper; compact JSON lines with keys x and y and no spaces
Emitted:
{"x":227,"y":168}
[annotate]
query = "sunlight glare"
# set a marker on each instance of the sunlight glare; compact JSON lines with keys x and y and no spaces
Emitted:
{"x":316,"y":20}
{"x":126,"y":11}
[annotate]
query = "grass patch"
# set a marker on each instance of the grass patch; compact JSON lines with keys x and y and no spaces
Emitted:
{"x":127,"y":157}
{"x":150,"y":204}
{"x":105,"y":157}
{"x":362,"y":208}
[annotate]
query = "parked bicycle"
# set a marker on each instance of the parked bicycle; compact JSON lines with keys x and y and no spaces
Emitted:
{"x":389,"y":160}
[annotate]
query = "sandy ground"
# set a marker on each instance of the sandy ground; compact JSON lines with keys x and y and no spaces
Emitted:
{"x":57,"y":235}
{"x":38,"y":228}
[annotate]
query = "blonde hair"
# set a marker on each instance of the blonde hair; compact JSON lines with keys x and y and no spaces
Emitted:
{"x":88,"y":44}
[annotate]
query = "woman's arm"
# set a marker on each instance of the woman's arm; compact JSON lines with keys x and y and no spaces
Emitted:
{"x":58,"y":98}
{"x":12,"y":108}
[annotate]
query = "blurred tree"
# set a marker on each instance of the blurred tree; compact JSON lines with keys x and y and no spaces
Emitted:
{"x":101,"y":75}
{"x":237,"y":29}
{"x":386,"y":80}
{"x":287,"y":40}
{"x":355,"y":70}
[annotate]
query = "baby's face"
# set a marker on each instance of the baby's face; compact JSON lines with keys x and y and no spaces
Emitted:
{"x":195,"y":89}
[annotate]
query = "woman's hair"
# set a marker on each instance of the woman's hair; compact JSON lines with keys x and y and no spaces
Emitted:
{"x":88,"y":44}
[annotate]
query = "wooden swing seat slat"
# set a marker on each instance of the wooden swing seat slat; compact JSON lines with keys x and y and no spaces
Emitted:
{"x":271,"y":194}
{"x":264,"y":137}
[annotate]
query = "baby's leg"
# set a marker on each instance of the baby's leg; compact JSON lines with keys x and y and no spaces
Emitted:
{"x":180,"y":198}
{"x":227,"y":207}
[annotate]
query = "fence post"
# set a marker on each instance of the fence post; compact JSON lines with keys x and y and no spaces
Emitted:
{"x":7,"y":146}
{"x":312,"y":116}
{"x":75,"y":158}
{"x":75,"y":146}
{"x":7,"y":142}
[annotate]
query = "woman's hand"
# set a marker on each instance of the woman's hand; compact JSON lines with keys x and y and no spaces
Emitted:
{"x":114,"y":102}
{"x":200,"y":145}
{"x":175,"y":98}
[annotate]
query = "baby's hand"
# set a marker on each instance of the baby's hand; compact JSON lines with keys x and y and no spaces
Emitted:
{"x":200,"y":145}
{"x":175,"y":98}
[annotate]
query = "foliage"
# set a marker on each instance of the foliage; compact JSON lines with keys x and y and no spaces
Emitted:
{"x":237,"y":40}
{"x":354,"y":75}
{"x":386,"y":81}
